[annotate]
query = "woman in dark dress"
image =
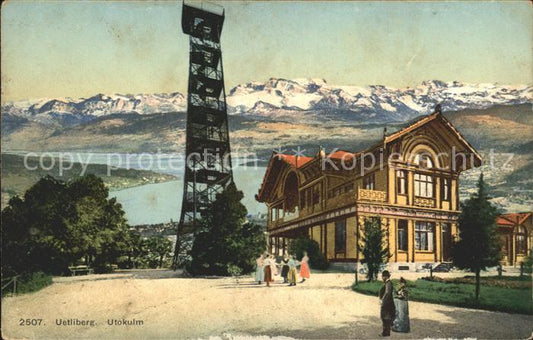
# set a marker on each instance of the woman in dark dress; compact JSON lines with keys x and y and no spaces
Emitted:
{"x":267,"y":265}
{"x":285,"y":268}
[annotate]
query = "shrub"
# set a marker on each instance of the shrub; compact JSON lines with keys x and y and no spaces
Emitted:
{"x":103,"y":268}
{"x":32,"y":282}
{"x":316,"y":259}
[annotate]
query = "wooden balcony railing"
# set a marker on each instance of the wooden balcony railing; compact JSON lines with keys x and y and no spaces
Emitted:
{"x":341,"y":200}
{"x":424,"y":202}
{"x":289,"y":216}
{"x":371,"y":195}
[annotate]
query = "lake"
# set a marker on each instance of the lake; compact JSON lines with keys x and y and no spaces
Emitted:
{"x":160,"y":202}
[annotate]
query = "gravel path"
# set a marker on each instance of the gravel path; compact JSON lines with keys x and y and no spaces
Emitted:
{"x":170,"y":307}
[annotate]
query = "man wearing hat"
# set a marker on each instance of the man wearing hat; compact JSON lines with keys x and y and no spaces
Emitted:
{"x":388,"y":311}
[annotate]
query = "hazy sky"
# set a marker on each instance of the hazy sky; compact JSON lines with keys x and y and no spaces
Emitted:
{"x":82,"y":48}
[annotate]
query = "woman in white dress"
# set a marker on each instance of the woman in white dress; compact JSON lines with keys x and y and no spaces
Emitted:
{"x":259,"y":271}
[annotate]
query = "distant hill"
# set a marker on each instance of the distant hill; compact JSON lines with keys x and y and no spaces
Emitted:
{"x":289,"y":114}
{"x":17,"y":178}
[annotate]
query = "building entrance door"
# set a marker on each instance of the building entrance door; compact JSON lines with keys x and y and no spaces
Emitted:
{"x":446,"y":242}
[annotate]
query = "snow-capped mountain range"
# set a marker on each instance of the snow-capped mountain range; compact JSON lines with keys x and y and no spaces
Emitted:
{"x":286,"y":96}
{"x":316,"y":94}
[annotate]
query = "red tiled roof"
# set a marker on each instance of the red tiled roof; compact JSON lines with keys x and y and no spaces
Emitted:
{"x":295,"y":161}
{"x":512,"y":219}
{"x":340,"y":154}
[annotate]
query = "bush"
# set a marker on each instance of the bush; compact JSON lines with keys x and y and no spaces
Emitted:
{"x":30,"y":282}
{"x":124,"y":262}
{"x":316,"y":259}
{"x":103,"y":268}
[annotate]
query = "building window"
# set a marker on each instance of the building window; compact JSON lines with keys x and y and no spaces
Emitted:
{"x":401,"y":185}
{"x":348,"y":187}
{"x":340,"y":190}
{"x":424,"y":235}
{"x":445,"y":189}
{"x":423,"y":186}
{"x":402,"y":235}
{"x":340,"y":236}
{"x":369,"y":182}
{"x":424,"y":161}
{"x":521,"y":245}
{"x":303,"y":199}
{"x":504,"y":242}
{"x":316,"y":194}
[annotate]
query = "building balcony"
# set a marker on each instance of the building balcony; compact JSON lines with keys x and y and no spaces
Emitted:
{"x":371,"y":195}
{"x":289,"y":216}
{"x":341,"y":200}
{"x":424,"y":202}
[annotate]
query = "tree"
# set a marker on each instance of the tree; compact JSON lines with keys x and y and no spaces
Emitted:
{"x":316,"y":259}
{"x":225,"y":240}
{"x":373,"y":248}
{"x":159,"y":246}
{"x":57,"y":224}
{"x":478,"y":246}
{"x":35,"y":231}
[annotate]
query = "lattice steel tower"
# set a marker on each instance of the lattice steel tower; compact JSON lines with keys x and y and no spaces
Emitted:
{"x":208,"y":162}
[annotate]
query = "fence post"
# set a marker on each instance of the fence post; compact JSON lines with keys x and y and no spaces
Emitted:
{"x":15,"y":285}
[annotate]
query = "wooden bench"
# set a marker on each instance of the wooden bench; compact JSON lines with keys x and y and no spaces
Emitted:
{"x":80,"y":270}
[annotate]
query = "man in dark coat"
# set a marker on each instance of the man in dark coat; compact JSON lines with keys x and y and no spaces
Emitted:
{"x":388,"y":311}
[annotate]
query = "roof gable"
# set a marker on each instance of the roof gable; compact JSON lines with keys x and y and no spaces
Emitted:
{"x":275,"y":167}
{"x":512,"y":220}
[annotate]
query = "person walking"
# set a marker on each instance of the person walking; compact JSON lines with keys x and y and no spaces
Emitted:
{"x":285,"y":268}
{"x":267,"y":264}
{"x":387,"y":312}
{"x":292,"y":275}
{"x":401,"y":304}
{"x":259,"y":270}
{"x":305,"y":273}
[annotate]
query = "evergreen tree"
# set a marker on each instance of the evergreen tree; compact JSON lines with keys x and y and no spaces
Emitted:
{"x":373,"y":247}
{"x":478,"y":246}
{"x":225,"y":240}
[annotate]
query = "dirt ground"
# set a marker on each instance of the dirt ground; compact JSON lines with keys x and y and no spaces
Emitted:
{"x":172,"y":307}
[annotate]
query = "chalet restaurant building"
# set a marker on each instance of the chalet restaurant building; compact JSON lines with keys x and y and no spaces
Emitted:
{"x":412,"y":188}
